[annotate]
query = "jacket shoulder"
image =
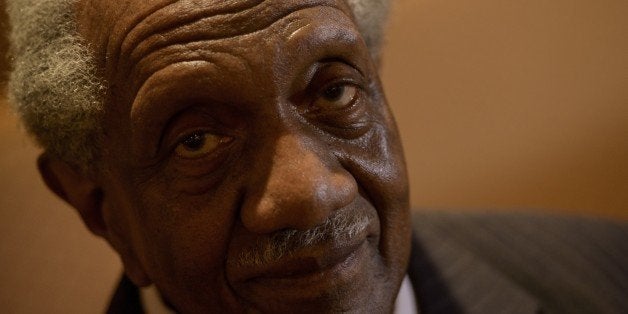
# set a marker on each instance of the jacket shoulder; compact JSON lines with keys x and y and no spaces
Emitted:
{"x":569,"y":264}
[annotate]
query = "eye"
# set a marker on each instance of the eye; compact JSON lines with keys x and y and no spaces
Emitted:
{"x":335,"y":97}
{"x":199,"y":144}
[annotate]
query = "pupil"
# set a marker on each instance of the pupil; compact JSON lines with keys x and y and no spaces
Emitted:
{"x":194,"y":142}
{"x":334,"y":92}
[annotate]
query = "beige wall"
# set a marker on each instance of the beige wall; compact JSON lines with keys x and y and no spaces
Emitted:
{"x":501,"y":104}
{"x":513,"y":104}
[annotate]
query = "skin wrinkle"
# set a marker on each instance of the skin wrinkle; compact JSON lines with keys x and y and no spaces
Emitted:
{"x":197,"y":54}
{"x":113,"y":47}
{"x":345,"y":46}
{"x":213,"y":53}
{"x":139,"y":109}
{"x":191,"y":62}
{"x":137,"y":21}
{"x":108,"y":42}
{"x":218,"y":50}
{"x":365,"y":180}
{"x":131,"y":43}
{"x":183,"y":35}
{"x":144,"y":80}
{"x":197,"y":47}
{"x":131,"y":40}
{"x":186,"y":37}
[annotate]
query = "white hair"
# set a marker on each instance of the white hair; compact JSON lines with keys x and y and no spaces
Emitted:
{"x":54,"y":85}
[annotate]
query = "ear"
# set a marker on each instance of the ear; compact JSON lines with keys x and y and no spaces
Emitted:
{"x":82,"y":193}
{"x":76,"y":189}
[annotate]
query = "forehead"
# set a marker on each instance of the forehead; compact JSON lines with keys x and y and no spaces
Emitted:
{"x":135,"y":39}
{"x":131,"y":28}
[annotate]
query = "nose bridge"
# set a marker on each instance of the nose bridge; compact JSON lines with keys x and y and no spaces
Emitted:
{"x":300,"y":189}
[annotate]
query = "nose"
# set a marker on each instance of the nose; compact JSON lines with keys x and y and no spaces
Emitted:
{"x":297,"y":189}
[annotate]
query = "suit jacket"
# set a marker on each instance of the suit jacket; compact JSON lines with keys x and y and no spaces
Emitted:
{"x":503,"y":263}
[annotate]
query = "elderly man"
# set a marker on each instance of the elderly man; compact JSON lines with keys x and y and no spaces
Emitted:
{"x":239,"y":156}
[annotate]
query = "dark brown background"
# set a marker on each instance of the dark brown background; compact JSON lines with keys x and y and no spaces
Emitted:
{"x":505,"y":105}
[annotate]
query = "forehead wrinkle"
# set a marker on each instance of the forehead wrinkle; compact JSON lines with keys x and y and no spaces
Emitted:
{"x":233,"y":25}
{"x":125,"y":27}
{"x":177,"y":52}
{"x":110,"y":48}
{"x":144,"y":72}
{"x":164,"y":22}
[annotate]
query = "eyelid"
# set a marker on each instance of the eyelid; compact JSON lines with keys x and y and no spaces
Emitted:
{"x":342,"y":81}
{"x":332,"y":71}
{"x":343,"y":62}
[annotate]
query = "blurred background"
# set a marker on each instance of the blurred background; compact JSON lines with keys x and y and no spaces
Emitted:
{"x":502,"y":105}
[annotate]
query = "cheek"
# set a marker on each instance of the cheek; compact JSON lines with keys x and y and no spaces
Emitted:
{"x":378,"y":166}
{"x":186,"y":238}
{"x":377,"y":160}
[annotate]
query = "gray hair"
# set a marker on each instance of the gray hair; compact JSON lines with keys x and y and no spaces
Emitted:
{"x":54,"y":85}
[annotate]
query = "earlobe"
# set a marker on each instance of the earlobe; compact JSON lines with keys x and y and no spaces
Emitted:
{"x":76,"y":189}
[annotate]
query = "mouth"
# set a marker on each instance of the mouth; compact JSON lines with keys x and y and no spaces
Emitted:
{"x":316,"y":280}
{"x":333,"y":269}
{"x":310,"y":273}
{"x":305,"y":266}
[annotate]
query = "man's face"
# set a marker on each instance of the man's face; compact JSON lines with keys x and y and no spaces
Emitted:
{"x":233,"y":129}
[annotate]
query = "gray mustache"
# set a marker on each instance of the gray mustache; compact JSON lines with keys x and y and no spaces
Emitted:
{"x":339,"y":229}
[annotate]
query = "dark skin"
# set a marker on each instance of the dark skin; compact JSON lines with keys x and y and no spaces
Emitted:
{"x":227,"y":122}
